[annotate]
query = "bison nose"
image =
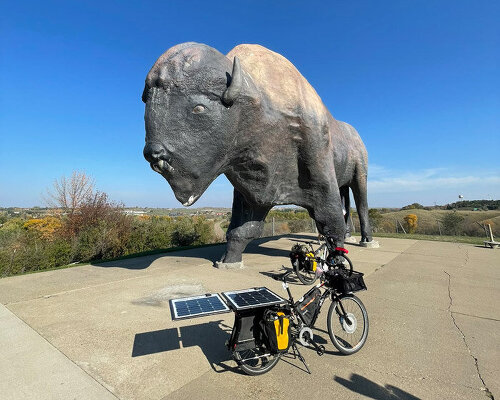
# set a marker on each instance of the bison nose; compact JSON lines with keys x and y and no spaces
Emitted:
{"x":153,"y":152}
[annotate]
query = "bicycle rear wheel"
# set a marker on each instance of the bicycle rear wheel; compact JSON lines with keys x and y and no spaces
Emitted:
{"x":348,"y":336}
{"x":256,"y":361}
{"x":305,"y":276}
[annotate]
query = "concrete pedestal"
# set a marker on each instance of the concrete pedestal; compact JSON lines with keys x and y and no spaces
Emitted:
{"x":371,"y":245}
{"x":223,"y":265}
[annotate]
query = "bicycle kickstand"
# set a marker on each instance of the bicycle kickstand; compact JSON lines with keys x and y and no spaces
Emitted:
{"x":296,"y":353}
{"x":320,"y":349}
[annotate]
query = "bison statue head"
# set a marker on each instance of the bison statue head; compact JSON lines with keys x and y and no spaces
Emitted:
{"x":190,"y":117}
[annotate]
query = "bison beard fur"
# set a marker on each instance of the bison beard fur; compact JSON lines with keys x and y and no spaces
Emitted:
{"x":252,"y":116}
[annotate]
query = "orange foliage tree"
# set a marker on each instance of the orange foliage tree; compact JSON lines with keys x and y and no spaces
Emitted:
{"x":411,"y":222}
{"x":45,"y":227}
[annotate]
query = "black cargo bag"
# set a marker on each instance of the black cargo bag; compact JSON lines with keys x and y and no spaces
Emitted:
{"x":308,"y":306}
{"x":344,"y":282}
{"x":246,"y":332}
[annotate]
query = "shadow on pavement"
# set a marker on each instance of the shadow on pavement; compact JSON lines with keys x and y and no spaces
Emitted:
{"x":292,"y":279}
{"x":209,"y":337}
{"x":368,"y":388}
{"x":210,"y":253}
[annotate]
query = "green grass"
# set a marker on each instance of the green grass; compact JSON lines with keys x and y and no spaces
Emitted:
{"x":436,"y":238}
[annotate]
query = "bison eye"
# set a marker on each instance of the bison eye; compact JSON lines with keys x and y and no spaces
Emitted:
{"x":198,"y":109}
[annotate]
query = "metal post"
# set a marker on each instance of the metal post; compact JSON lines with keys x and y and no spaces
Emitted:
{"x":491,"y":233}
{"x":402,"y":227}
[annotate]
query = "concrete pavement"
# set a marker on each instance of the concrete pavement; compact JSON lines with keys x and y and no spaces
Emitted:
{"x":105,"y":331}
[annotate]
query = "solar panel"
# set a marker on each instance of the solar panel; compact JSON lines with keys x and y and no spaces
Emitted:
{"x":197,"y":306}
{"x":252,"y":298}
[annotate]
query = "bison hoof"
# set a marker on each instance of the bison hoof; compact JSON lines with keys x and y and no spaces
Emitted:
{"x":229,"y":265}
{"x":371,"y":245}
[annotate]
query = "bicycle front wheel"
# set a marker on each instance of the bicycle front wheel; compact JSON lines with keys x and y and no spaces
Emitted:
{"x":256,"y":361}
{"x":348,"y":334}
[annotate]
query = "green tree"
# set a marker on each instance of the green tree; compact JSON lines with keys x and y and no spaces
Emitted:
{"x":452,"y":223}
{"x":375,"y":217}
{"x":413,"y":206}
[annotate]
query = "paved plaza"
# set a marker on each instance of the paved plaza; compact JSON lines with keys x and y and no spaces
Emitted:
{"x":104,"y":331}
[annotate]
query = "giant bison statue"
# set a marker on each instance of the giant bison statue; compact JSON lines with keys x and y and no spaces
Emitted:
{"x":252,"y":116}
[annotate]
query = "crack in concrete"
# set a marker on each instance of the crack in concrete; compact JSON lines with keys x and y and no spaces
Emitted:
{"x":476,"y":316}
{"x":476,"y":363}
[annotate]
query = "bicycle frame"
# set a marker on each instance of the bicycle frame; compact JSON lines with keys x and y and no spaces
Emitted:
{"x":324,"y":295}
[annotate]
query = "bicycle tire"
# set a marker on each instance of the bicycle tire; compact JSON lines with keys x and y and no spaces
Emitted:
{"x":255,"y":366}
{"x":346,"y":338}
{"x":306,"y":277}
{"x":349,"y":262}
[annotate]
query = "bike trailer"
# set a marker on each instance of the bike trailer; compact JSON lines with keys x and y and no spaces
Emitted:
{"x":249,"y":306}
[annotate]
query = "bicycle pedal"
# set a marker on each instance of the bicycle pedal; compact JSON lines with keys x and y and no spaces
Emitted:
{"x":321,"y":350}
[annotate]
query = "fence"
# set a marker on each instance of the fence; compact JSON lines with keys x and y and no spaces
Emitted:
{"x":448,"y":224}
{"x":443,"y":225}
{"x":283,"y":226}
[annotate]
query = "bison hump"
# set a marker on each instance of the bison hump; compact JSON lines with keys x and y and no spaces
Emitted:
{"x":277,"y":77}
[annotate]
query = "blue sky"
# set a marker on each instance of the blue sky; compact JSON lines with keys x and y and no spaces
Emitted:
{"x":418,"y":79}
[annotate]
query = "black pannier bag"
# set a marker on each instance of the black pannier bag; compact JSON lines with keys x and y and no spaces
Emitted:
{"x":302,"y":255}
{"x":275,"y":329}
{"x":308,"y":306}
{"x":344,"y":282}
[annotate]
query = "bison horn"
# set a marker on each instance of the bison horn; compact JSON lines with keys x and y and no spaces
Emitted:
{"x":234,"y":88}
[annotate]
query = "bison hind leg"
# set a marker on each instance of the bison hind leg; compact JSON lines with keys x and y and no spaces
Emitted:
{"x":346,"y":203}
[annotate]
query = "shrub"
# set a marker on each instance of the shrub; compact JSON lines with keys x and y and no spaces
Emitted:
{"x":375,"y":217}
{"x":299,"y":225}
{"x":192,"y":231}
{"x":411,"y":221}
{"x":45,"y":228}
{"x":452,"y":222}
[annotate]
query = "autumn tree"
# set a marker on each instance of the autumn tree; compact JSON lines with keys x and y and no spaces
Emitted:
{"x":70,"y":193}
{"x":411,"y":221}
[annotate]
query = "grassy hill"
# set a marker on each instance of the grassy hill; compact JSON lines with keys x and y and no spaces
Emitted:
{"x":431,"y":222}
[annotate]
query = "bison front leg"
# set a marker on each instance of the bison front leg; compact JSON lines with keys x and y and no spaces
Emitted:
{"x":247,"y":223}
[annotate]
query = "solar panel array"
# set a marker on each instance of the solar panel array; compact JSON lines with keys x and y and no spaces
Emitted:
{"x":252,"y":298}
{"x":198,"y":306}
